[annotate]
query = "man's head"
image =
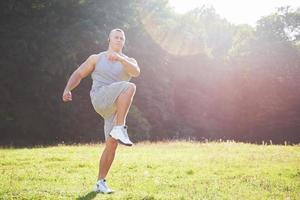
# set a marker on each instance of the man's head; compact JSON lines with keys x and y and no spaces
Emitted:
{"x":116,"y":39}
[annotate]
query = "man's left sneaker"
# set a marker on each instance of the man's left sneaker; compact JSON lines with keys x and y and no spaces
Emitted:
{"x":102,"y":187}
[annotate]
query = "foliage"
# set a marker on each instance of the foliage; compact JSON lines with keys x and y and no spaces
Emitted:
{"x":202,"y":77}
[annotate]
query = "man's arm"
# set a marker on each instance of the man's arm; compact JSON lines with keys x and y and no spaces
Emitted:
{"x":130,"y":64}
{"x":81,"y":72}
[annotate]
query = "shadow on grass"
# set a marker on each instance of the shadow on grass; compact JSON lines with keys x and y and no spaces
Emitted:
{"x":88,"y":196}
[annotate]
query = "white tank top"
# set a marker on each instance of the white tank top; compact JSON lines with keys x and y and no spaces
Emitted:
{"x":107,"y":72}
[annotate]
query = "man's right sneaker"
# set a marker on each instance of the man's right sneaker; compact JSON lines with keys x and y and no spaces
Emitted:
{"x":102,"y":187}
{"x":120,"y":134}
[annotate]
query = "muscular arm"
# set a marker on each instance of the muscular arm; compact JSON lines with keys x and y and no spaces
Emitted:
{"x":130,"y":66}
{"x":81,"y":72}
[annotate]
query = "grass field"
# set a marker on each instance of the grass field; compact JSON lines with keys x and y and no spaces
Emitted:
{"x":164,"y":170}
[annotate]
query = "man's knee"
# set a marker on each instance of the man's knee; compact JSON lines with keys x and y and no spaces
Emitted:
{"x":131,"y":87}
{"x":111,"y":143}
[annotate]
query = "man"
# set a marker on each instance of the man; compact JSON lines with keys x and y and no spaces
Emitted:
{"x":111,"y":96}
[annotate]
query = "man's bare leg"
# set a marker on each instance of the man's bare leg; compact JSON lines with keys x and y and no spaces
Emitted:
{"x":123,"y":104}
{"x":107,"y":157}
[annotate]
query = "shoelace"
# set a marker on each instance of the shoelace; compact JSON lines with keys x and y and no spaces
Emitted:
{"x":125,"y":132}
{"x":126,"y":135}
{"x":103,"y":183}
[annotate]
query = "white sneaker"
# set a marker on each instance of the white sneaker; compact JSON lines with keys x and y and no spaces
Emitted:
{"x":102,"y":187}
{"x":120,"y":134}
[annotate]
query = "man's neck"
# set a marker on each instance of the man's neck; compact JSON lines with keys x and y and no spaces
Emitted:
{"x":113,"y":50}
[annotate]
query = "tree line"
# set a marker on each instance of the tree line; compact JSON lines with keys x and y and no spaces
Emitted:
{"x":201,"y":76}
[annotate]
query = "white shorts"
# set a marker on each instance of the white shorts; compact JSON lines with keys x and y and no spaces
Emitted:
{"x":104,"y":102}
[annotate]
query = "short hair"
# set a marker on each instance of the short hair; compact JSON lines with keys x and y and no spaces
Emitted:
{"x":116,"y":29}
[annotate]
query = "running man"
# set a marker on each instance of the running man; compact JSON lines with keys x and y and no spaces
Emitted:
{"x":111,"y":95}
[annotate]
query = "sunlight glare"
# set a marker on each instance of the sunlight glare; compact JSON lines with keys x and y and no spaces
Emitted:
{"x":236,"y":12}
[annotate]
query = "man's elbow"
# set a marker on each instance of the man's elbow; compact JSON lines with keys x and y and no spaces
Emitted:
{"x":136,"y":73}
{"x":77,"y":75}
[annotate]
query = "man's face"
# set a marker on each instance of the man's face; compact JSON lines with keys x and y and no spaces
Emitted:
{"x":117,"y":40}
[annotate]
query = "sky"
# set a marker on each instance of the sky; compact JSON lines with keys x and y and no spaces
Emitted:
{"x":236,"y":12}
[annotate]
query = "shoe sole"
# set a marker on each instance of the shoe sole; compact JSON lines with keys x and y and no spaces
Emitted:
{"x":98,"y":191}
{"x":129,"y":145}
{"x":126,"y":144}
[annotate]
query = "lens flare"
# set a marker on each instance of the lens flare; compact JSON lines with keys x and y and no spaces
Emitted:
{"x":177,"y":37}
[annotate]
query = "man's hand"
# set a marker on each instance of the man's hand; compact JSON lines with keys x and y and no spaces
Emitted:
{"x":113,"y":56}
{"x":130,"y":64}
{"x":67,"y":96}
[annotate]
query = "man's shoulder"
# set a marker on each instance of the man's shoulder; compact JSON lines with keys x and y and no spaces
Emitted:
{"x":125,"y":55}
{"x":95,"y":57}
{"x":128,"y":57}
{"x":101,"y":53}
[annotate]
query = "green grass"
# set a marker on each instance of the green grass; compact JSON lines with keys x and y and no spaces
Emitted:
{"x":175,"y":170}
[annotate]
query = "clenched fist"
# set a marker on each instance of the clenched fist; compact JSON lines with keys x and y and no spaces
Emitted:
{"x":113,"y":56}
{"x":67,"y":96}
